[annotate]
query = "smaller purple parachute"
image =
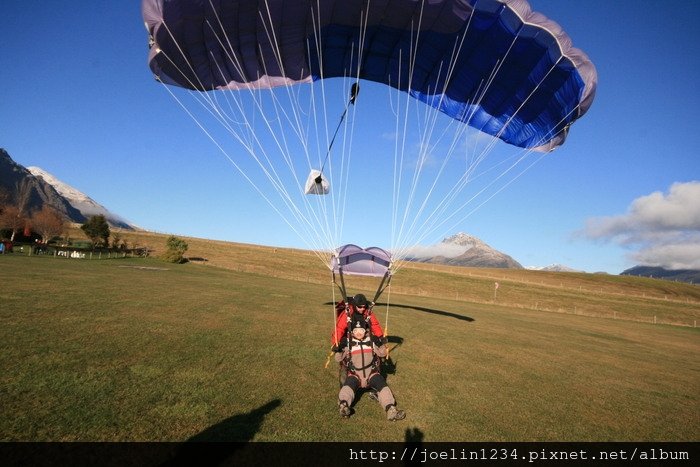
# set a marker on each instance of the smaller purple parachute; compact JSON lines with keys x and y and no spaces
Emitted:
{"x":356,"y":261}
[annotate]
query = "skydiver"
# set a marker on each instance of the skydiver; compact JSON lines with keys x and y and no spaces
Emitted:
{"x":361,"y":352}
{"x":346,"y":309}
{"x":356,"y":304}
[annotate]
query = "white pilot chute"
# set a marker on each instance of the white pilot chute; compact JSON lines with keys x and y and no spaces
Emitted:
{"x":317,"y":184}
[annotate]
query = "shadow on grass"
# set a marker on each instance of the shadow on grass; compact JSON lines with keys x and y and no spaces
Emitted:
{"x":414,"y":443}
{"x":234,"y":430}
{"x":433,"y":311}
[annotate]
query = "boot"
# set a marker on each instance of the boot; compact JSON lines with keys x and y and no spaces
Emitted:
{"x":345,"y":411}
{"x":393,"y":414}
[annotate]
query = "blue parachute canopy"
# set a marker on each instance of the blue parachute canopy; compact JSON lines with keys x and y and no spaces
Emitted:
{"x":494,"y":64}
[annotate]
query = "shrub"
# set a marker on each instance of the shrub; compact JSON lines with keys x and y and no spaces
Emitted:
{"x":175,"y":251}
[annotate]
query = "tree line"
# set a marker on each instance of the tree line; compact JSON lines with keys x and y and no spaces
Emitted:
{"x":48,"y":224}
{"x":15,"y":216}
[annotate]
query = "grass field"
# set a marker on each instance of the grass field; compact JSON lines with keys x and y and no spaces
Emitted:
{"x":234,"y":349}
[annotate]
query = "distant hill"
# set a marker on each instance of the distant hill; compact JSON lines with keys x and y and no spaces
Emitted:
{"x":691,"y":276}
{"x":462,"y":249}
{"x":44,"y":188}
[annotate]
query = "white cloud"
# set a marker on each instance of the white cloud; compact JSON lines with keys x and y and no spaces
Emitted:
{"x":676,"y":256}
{"x":665,"y":228}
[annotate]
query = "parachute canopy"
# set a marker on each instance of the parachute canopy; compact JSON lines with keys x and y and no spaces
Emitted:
{"x":493,"y":64}
{"x":353,"y":260}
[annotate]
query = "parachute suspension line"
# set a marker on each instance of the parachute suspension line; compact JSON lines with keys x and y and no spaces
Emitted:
{"x":233,"y":162}
{"x":217,"y":112}
{"x":467,"y":176}
{"x":457,"y":188}
{"x":353,"y":95}
{"x":447,"y":199}
{"x":321,"y":202}
{"x":396,"y":186}
{"x":330,"y":233}
{"x":524,"y":153}
{"x":326,"y":230}
{"x":269,"y":168}
{"x":333,"y":234}
{"x":413,"y":49}
{"x":455,"y":52}
{"x":339,"y":204}
{"x":417,"y":220}
{"x":354,"y":92}
{"x":427,"y":147}
{"x":333,"y":322}
{"x":295,"y":123}
{"x":508,"y":183}
{"x":386,"y":320}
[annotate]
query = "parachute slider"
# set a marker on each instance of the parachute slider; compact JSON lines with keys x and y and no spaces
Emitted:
{"x":354,"y":91}
{"x":316,"y":184}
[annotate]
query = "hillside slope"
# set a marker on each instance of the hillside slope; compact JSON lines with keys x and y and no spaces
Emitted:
{"x":618,"y":297}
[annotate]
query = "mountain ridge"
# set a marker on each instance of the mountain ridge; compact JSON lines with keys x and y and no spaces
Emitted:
{"x":45,"y":189}
{"x":691,"y":276}
{"x":475,"y":253}
{"x":79,"y":200}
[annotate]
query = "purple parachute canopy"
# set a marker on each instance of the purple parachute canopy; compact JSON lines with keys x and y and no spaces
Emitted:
{"x":356,"y":261}
{"x":493,"y":64}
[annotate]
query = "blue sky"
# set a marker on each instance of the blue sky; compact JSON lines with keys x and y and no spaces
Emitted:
{"x":78,"y":100}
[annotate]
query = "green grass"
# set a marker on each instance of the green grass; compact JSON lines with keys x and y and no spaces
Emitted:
{"x":137,"y":349}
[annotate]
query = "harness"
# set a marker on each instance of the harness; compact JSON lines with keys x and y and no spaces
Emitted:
{"x":369,"y":365}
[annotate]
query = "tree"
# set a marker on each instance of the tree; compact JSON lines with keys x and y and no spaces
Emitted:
{"x":12,"y":219}
{"x":176,"y":249}
{"x":4,"y":199}
{"x":23,"y":193}
{"x":116,"y":238}
{"x":47,"y":223}
{"x":97,"y":230}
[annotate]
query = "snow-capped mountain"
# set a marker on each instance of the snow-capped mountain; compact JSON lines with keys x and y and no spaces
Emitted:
{"x":553,"y":268}
{"x":462,"y":249}
{"x":79,"y":200}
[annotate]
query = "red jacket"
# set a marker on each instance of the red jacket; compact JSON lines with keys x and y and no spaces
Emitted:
{"x":341,"y":324}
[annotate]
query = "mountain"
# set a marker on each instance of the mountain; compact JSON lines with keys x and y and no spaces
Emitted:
{"x":37,"y":191}
{"x":80,"y":201}
{"x":462,"y":249}
{"x":691,"y":276}
{"x":554,"y":268}
{"x":45,"y":189}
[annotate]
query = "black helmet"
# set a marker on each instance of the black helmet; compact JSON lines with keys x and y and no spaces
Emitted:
{"x":358,"y":321}
{"x":360,"y":300}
